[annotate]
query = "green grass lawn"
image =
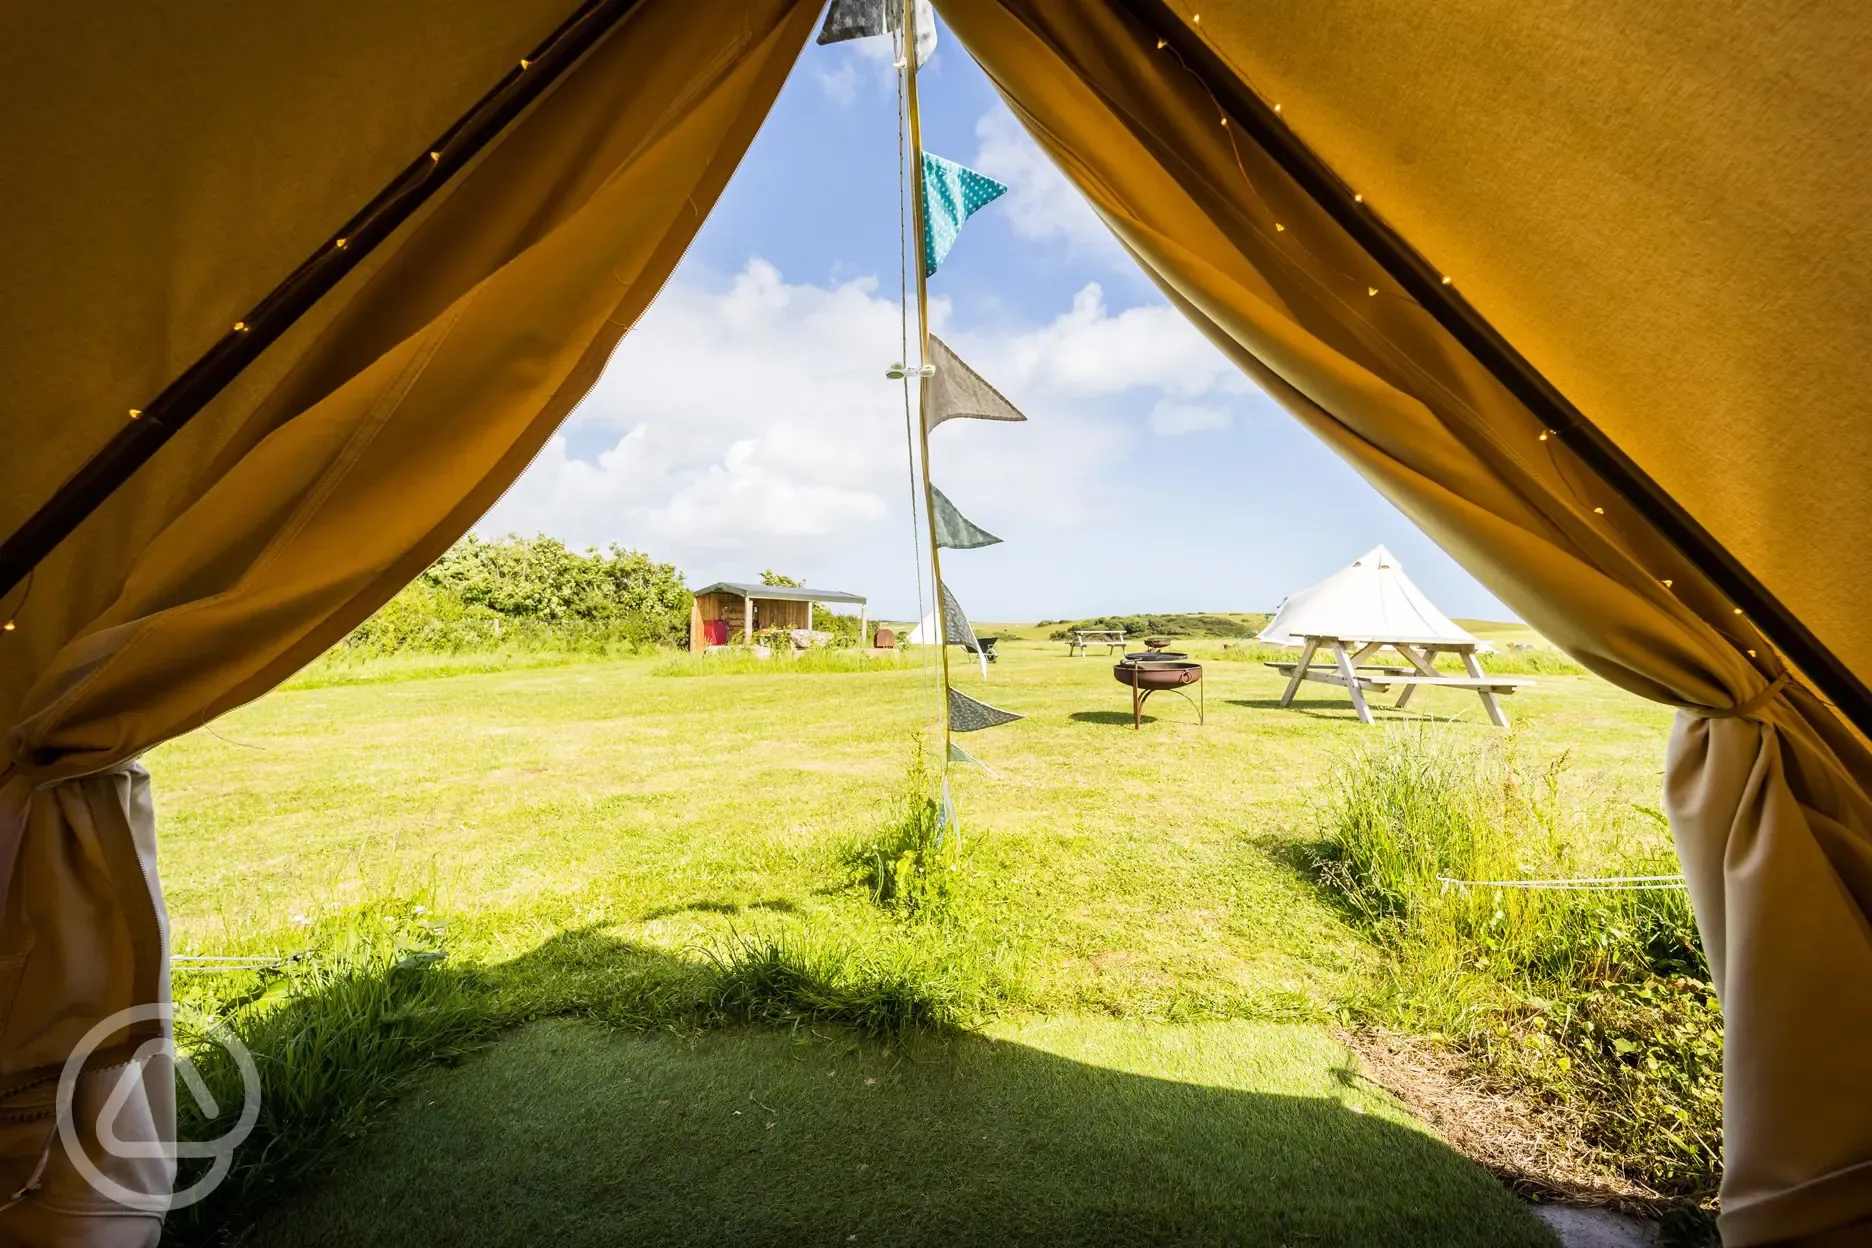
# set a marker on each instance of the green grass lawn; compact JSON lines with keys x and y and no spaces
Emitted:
{"x":1074,"y":1131}
{"x":1115,"y":877}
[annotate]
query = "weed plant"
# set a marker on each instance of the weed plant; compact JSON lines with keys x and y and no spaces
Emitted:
{"x":1594,"y":1001}
{"x":914,"y":865}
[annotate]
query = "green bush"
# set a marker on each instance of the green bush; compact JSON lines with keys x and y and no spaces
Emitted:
{"x":1596,"y":1001}
{"x":528,"y":594}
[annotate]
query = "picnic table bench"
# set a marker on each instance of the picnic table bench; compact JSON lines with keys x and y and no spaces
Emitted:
{"x":1350,"y":671}
{"x":1085,"y":638}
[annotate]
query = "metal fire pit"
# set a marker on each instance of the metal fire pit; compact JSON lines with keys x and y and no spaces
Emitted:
{"x":1154,"y":674}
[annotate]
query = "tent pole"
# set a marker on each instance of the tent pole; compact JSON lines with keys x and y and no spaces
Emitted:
{"x":917,"y":211}
{"x":150,"y":427}
{"x":1424,"y":284}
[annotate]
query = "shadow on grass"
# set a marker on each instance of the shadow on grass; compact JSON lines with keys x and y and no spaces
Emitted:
{"x":692,"y":1127}
{"x":346,"y":1030}
{"x":1108,"y":717}
{"x":573,"y":1135}
{"x":778,"y":905}
{"x":1319,"y":708}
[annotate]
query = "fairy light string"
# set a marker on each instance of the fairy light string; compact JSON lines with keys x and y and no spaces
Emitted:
{"x":1547,"y":437}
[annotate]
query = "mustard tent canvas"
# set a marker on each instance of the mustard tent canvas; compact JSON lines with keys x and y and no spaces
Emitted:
{"x":1579,"y":288}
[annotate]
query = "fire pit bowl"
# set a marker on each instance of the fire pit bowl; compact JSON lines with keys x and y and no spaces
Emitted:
{"x":1157,"y":643}
{"x":1154,"y":674}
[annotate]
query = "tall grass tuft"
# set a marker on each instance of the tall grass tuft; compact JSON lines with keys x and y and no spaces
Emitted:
{"x":335,"y":1034}
{"x":914,"y":863}
{"x":796,"y":978}
{"x":1597,"y":1002}
{"x":1518,"y":661}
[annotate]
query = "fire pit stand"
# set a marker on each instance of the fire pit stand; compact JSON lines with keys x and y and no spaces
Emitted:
{"x":1154,"y":673}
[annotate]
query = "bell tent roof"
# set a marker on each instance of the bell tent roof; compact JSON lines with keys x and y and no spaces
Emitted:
{"x":1372,"y":600}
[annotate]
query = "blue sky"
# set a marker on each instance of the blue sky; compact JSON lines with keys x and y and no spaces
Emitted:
{"x":746,"y":422}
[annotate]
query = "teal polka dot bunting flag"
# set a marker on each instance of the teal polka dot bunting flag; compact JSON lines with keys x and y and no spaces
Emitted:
{"x":951,"y":195}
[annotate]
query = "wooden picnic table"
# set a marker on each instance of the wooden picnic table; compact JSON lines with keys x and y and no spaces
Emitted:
{"x":1351,"y":671}
{"x":1084,"y":638}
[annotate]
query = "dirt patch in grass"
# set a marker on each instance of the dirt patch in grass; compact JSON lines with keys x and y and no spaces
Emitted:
{"x":1534,"y":1149}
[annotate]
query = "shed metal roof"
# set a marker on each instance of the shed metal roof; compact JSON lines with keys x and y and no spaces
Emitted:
{"x":782,"y":593}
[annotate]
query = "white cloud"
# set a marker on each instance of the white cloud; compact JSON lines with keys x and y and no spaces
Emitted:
{"x":860,"y":63}
{"x":1041,"y":202}
{"x":732,"y":418}
{"x":1088,"y":351}
{"x":753,"y":426}
{"x":840,"y":85}
{"x":1169,"y":419}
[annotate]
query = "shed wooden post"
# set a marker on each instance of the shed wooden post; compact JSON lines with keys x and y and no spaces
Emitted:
{"x":862,"y":643}
{"x":696,"y":640}
{"x":747,"y":604}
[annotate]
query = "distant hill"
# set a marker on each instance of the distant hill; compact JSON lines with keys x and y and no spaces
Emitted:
{"x":1189,"y":624}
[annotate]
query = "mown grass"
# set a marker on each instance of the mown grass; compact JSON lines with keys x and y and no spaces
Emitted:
{"x":1595,"y":1000}
{"x":1071,"y":1131}
{"x":819,"y":659}
{"x":685,"y":854}
{"x":335,"y":669}
{"x":345,"y":1024}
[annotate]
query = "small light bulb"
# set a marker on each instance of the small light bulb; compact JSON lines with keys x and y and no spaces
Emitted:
{"x":1225,"y":123}
{"x":1197,"y":18}
{"x":1667,"y":584}
{"x":1162,"y":44}
{"x":1735,"y":610}
{"x":135,"y":413}
{"x":435,"y":157}
{"x":1277,"y":108}
{"x":7,"y":627}
{"x":1543,"y":434}
{"x":1371,"y":290}
{"x":240,"y":327}
{"x":1446,"y":281}
{"x":342,"y":243}
{"x":1751,"y":654}
{"x":524,"y":62}
{"x":1279,"y":226}
{"x":1598,"y":511}
{"x":1358,"y":199}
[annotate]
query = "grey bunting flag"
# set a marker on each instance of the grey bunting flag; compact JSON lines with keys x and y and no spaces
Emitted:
{"x":860,"y":19}
{"x":968,"y":715}
{"x":957,"y":629}
{"x":954,"y":531}
{"x":959,"y":391}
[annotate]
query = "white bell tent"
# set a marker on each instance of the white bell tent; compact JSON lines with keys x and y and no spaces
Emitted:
{"x":1372,"y":606}
{"x":1372,"y":600}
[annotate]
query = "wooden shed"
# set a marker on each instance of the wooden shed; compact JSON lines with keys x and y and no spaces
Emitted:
{"x":727,"y":607}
